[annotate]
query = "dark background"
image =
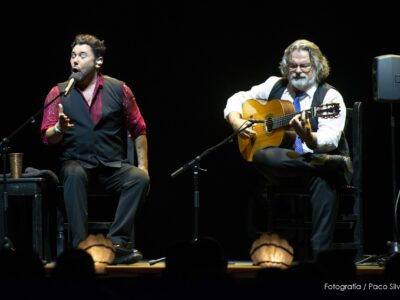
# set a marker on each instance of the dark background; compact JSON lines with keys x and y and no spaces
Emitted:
{"x":183,"y":61}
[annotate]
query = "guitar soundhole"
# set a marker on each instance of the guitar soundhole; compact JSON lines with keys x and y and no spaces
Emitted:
{"x":269,"y":125}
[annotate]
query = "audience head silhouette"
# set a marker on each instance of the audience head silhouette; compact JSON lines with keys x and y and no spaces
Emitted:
{"x":392,"y":268}
{"x":20,"y":264}
{"x":338,"y":265}
{"x":192,"y":259}
{"x":74,"y":264}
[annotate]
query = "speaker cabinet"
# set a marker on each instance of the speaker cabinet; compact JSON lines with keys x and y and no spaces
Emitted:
{"x":386,"y":78}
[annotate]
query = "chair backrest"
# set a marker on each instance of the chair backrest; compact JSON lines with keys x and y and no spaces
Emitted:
{"x":355,"y":139}
{"x":353,"y":132}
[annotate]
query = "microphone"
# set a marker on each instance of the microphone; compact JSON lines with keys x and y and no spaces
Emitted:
{"x":155,"y":261}
{"x":71,"y":82}
{"x":256,"y":121}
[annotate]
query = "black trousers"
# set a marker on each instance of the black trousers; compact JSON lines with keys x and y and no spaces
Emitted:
{"x":284,"y":166}
{"x":132,"y":184}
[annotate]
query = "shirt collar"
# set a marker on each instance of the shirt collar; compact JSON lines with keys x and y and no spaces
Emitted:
{"x":100,"y":80}
{"x":310,"y":92}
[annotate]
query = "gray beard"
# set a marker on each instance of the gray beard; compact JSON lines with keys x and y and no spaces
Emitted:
{"x":302,"y":83}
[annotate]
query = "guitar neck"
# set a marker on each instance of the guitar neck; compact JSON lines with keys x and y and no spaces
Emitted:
{"x":282,"y":121}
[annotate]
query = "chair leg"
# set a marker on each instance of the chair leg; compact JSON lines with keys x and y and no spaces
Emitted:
{"x":268,"y":195}
{"x":60,"y":244}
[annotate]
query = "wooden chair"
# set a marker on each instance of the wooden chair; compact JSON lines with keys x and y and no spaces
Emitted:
{"x":294,"y":200}
{"x":101,"y":218}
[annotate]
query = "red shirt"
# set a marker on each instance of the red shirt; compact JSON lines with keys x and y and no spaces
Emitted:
{"x":133,"y":118}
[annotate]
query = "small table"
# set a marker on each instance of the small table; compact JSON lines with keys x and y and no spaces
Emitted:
{"x":34,"y":187}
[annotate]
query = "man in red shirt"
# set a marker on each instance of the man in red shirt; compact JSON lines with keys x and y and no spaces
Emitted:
{"x":89,"y":121}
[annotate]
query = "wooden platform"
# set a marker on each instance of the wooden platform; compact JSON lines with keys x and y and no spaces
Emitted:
{"x":237,"y":269}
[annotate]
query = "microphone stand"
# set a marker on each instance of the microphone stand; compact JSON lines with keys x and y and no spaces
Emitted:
{"x":195,"y":167}
{"x":394,"y":245}
{"x":5,"y":241}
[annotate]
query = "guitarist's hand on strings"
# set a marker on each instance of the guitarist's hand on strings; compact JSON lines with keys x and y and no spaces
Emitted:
{"x":301,"y":125}
{"x":238,"y":123}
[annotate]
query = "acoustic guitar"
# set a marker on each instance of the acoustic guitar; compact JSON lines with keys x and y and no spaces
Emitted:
{"x":272,"y":123}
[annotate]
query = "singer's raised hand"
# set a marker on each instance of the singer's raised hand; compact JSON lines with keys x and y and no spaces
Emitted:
{"x":64,"y":122}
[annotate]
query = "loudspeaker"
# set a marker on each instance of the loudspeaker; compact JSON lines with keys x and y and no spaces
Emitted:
{"x":386,"y":78}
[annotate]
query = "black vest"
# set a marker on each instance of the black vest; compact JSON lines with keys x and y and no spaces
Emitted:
{"x":319,"y":95}
{"x":89,"y":143}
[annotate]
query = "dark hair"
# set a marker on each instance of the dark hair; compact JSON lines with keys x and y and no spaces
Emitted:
{"x":94,"y":42}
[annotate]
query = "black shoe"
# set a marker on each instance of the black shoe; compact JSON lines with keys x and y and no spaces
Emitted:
{"x":334,"y":161}
{"x":126,"y":256}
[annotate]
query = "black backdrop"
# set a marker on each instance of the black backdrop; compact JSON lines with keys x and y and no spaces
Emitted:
{"x":183,"y":61}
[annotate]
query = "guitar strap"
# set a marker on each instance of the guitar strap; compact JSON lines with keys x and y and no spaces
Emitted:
{"x":319,"y":95}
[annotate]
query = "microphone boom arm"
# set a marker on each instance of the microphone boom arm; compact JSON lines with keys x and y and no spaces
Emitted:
{"x":198,"y":158}
{"x":5,"y":242}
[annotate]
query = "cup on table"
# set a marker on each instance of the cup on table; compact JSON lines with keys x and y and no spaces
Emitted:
{"x":16,"y":160}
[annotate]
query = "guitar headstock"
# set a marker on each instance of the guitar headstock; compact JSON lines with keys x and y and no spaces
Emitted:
{"x":328,"y":110}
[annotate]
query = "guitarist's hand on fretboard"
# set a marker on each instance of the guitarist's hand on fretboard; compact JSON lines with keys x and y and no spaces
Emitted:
{"x":302,"y":126}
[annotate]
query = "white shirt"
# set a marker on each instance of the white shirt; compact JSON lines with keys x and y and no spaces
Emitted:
{"x":329,"y":130}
